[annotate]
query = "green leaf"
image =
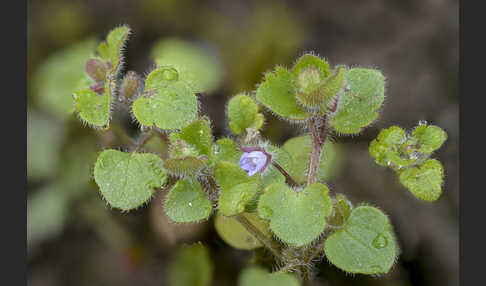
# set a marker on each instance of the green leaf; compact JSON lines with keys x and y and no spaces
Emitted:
{"x":93,"y":108}
{"x":243,"y":113}
{"x":196,"y":258}
{"x":256,"y":276}
{"x":185,"y":166}
{"x":112,"y":50}
{"x":300,"y":149}
{"x":195,"y":66}
{"x":310,"y":61}
{"x":366,"y":244}
{"x":127,"y":180}
{"x":271,"y":174}
{"x":429,"y":137}
{"x":187,"y":202}
{"x":385,"y":149}
{"x":278,"y":94}
{"x":341,"y":211}
{"x":198,"y":135}
{"x":424,"y":181}
{"x":236,"y":235}
{"x":57,"y":77}
{"x":237,"y":188}
{"x":168,"y":105}
{"x":358,"y":106}
{"x":226,"y":150}
{"x":296,"y":218}
{"x":332,"y":85}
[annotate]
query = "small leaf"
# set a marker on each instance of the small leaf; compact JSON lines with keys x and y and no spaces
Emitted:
{"x":341,"y":211}
{"x":184,"y":166}
{"x":237,"y":188}
{"x":187,"y":202}
{"x":96,"y":69}
{"x":130,"y":86}
{"x":358,"y":106}
{"x":256,"y":276}
{"x":429,"y":137}
{"x":198,"y":135}
{"x":278,"y":94}
{"x":93,"y":108}
{"x":236,"y":235}
{"x":310,"y":61}
{"x":385,"y":149}
{"x":296,"y":218}
{"x":226,"y":150}
{"x":365,"y":245}
{"x":271,"y":174}
{"x":112,"y":50}
{"x":127,"y":180}
{"x":196,"y":258}
{"x":243,"y":113}
{"x":424,"y":181}
{"x":300,"y":149}
{"x":332,"y":85}
{"x":195,"y":66}
{"x":168,"y":107}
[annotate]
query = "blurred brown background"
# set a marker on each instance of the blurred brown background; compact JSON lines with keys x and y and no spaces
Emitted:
{"x":76,"y":239}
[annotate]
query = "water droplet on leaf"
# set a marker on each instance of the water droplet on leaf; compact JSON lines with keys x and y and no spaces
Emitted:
{"x":380,"y":241}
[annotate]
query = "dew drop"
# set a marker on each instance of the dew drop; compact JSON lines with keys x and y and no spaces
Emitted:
{"x":190,"y":204}
{"x":380,"y":241}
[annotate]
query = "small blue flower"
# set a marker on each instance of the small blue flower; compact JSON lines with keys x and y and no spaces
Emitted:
{"x":254,"y":160}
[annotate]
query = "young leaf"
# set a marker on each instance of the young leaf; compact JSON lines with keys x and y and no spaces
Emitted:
{"x":424,"y":181}
{"x":196,"y":258}
{"x":385,"y":149}
{"x":278,"y":94}
{"x":341,"y":211}
{"x":195,"y":66}
{"x":237,"y":188}
{"x":127,"y":180}
{"x":243,"y":113}
{"x":310,"y":61}
{"x":365,"y":245}
{"x":429,"y":137}
{"x":271,"y":174}
{"x":296,"y":218}
{"x":185,"y":166}
{"x":187,"y":202}
{"x":236,"y":235}
{"x":167,"y":104}
{"x":256,"y":276}
{"x":332,"y":85}
{"x":198,"y":135}
{"x":111,"y":50}
{"x":94,"y":108}
{"x":300,"y":149}
{"x":358,"y":106}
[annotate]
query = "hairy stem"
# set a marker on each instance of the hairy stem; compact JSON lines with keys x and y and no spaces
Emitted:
{"x":262,"y":238}
{"x":316,"y":151}
{"x":289,"y":178}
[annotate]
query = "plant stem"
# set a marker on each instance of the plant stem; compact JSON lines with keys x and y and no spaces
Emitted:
{"x":262,"y":238}
{"x":318,"y":137}
{"x":289,"y":178}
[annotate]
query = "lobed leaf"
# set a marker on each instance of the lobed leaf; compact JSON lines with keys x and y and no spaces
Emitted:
{"x":94,"y":108}
{"x":365,"y":245}
{"x":226,"y":150}
{"x":198,"y":135}
{"x":187,"y":202}
{"x":243,"y":113}
{"x":278,"y":94}
{"x":128,"y":180}
{"x":429,"y":137}
{"x":424,"y":181}
{"x":111,"y":50}
{"x":297,"y":218}
{"x":358,"y":106}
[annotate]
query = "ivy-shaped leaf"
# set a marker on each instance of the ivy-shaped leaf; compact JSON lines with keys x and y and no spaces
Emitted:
{"x":278,"y":94}
{"x":429,"y":137}
{"x":300,"y":149}
{"x":111,"y":50}
{"x":424,"y":181}
{"x":358,"y":106}
{"x":187,"y":202}
{"x":385,"y":149}
{"x":237,"y":188}
{"x":93,"y":108}
{"x":296,"y":218}
{"x":165,"y":102}
{"x":308,"y":61}
{"x":236,"y":235}
{"x":243,"y":113}
{"x":198,"y":135}
{"x":128,"y":180}
{"x":195,"y":66}
{"x":256,"y":276}
{"x":366,"y":244}
{"x":196,"y":258}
